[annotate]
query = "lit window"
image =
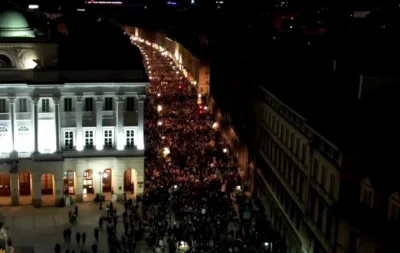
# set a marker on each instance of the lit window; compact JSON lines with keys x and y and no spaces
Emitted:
{"x":45,"y":105}
{"x":22,"y":105}
{"x":3,"y":108}
{"x":130,"y":138}
{"x":68,"y":104}
{"x":89,"y":139}
{"x":68,"y":140}
{"x":23,"y":138}
{"x":394,"y":207}
{"x":108,"y":138}
{"x":4,"y":137}
{"x":108,"y":104}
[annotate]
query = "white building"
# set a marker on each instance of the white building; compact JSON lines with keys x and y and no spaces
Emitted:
{"x":65,"y":132}
{"x":58,"y":139}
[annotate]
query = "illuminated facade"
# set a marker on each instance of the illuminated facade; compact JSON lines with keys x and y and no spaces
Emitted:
{"x":62,"y":139}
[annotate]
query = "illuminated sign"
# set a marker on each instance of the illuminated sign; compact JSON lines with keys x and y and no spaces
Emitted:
{"x":33,"y":6}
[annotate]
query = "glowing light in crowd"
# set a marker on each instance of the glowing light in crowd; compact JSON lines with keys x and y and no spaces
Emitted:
{"x":159,"y":123}
{"x":158,"y":95}
{"x":205,"y":108}
{"x":159,"y":108}
{"x":199,"y":100}
{"x":162,"y":137}
{"x":215,"y":126}
{"x":166,"y":152}
{"x":225,"y":150}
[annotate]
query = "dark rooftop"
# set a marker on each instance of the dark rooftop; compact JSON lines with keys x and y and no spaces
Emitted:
{"x":96,"y":45}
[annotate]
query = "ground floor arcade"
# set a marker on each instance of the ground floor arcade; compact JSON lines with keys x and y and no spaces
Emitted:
{"x":45,"y":183}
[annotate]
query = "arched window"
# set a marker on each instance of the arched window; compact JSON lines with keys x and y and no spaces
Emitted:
{"x":5,"y":139}
{"x":23,"y":139}
{"x":5,"y":62}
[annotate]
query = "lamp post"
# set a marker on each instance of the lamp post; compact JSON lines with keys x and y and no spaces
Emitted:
{"x":101,"y":176}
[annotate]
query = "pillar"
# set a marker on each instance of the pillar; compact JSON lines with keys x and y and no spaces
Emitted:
{"x":14,"y":190}
{"x":99,"y":123}
{"x":119,"y":184}
{"x":12,"y":120}
{"x":59,"y":187}
{"x":140,"y":137}
{"x":57,"y":120}
{"x":140,"y":177}
{"x":120,"y":123}
{"x":79,"y":186}
{"x":37,"y":189}
{"x":79,"y":129}
{"x":34,"y":103}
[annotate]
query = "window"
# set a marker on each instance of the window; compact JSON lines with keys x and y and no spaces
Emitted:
{"x":23,"y":138}
{"x":394,"y":210}
{"x":45,"y":105}
{"x":130,"y":104}
{"x":332,"y":185}
{"x":22,"y":104}
{"x":315,"y":170}
{"x":89,"y":139}
{"x":323,"y":176}
{"x":366,"y":196}
{"x":108,"y":138}
{"x":108,"y":105}
{"x":69,"y":140}
{"x":130,"y":138}
{"x":88,"y":104}
{"x":3,"y":106}
{"x":304,"y":154}
{"x":4,"y":138}
{"x":68,"y":104}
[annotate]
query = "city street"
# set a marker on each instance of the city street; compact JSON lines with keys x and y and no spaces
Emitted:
{"x":41,"y":228}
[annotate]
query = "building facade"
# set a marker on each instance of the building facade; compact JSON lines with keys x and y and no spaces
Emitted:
{"x":296,"y":172}
{"x":74,"y":139}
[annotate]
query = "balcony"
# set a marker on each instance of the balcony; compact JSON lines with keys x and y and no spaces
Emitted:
{"x":102,"y":153}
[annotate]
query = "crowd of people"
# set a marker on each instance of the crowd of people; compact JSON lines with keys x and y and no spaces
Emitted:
{"x":190,"y":174}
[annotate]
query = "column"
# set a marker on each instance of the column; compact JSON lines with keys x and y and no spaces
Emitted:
{"x":99,"y":123}
{"x":59,"y":186}
{"x":79,"y":186}
{"x":14,"y":190}
{"x":12,"y":121}
{"x":37,"y":189}
{"x":120,"y":123}
{"x":34,"y":104}
{"x":78,"y":118}
{"x":140,"y":137}
{"x":57,"y":120}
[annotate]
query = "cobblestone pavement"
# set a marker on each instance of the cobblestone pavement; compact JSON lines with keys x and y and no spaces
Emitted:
{"x":42,"y":228}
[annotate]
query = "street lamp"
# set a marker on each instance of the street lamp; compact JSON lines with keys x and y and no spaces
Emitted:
{"x":101,"y":176}
{"x":159,"y":108}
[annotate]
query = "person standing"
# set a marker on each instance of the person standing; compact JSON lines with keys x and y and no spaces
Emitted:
{"x":76,"y":210}
{"x":94,"y":248}
{"x":96,"y":234}
{"x":78,"y":238}
{"x":57,"y":249}
{"x":83,"y":238}
{"x":69,"y":233}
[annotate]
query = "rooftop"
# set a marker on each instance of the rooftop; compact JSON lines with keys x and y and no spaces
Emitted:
{"x":96,"y":45}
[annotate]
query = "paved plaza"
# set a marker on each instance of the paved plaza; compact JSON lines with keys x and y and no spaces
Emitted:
{"x":42,"y":228}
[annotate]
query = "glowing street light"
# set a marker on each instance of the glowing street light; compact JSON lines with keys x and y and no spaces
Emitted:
{"x":159,"y":123}
{"x":225,"y":150}
{"x":158,"y":95}
{"x":159,"y":108}
{"x":215,"y":126}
